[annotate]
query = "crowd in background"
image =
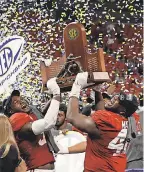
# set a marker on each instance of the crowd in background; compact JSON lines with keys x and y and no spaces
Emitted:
{"x":115,"y":26}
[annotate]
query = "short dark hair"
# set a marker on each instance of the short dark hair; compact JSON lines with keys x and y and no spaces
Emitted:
{"x":86,"y":110}
{"x":6,"y":105}
{"x":106,"y":96}
{"x":63,"y":108}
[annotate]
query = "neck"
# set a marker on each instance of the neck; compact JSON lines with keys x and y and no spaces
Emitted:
{"x":63,"y":126}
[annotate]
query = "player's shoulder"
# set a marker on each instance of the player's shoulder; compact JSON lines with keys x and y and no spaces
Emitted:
{"x":104,"y":114}
{"x":104,"y":117}
{"x":18,"y":120}
{"x":19,"y":116}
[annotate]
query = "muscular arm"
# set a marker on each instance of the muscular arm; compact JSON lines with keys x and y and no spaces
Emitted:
{"x":99,"y":101}
{"x":83,"y":123}
{"x":78,"y":148}
{"x":41,"y":125}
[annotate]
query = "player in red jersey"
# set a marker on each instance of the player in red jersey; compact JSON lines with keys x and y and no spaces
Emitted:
{"x":29,"y":130}
{"x":81,"y":147}
{"x":109,"y":129}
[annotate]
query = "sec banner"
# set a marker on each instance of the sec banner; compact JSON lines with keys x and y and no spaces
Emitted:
{"x":10,"y":62}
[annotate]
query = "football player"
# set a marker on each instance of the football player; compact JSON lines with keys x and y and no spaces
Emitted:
{"x":29,"y":130}
{"x":109,"y":129}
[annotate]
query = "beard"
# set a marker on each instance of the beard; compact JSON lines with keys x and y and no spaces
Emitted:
{"x":119,"y":110}
{"x":59,"y":123}
{"x":112,"y":109}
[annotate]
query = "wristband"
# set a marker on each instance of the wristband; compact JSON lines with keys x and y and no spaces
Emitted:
{"x":56,"y":92}
{"x":55,"y":95}
{"x":75,"y":91}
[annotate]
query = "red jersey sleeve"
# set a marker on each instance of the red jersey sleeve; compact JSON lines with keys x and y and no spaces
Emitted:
{"x":18,"y":120}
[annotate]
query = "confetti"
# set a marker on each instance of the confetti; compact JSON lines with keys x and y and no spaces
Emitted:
{"x":42,"y":27}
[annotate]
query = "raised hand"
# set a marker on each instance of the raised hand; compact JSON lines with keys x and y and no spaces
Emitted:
{"x":53,"y":87}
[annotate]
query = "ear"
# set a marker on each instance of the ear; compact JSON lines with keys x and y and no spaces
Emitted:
{"x":66,"y":120}
{"x":122,"y":113}
{"x":11,"y":111}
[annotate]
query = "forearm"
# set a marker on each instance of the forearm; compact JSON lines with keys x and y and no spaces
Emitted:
{"x":99,"y":102}
{"x":73,"y":109}
{"x":100,"y":105}
{"x":78,"y":148}
{"x":98,"y":96}
{"x":80,"y":121}
{"x":44,"y":110}
{"x":51,"y":115}
{"x":50,"y":118}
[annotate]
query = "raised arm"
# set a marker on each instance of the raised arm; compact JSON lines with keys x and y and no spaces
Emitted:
{"x":99,"y":102}
{"x":41,"y":125}
{"x":45,"y":108}
{"x":83,"y":123}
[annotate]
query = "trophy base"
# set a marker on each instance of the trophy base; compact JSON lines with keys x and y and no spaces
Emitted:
{"x":100,"y":77}
{"x":95,"y":78}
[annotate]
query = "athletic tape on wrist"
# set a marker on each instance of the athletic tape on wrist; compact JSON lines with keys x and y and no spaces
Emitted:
{"x":50,"y":118}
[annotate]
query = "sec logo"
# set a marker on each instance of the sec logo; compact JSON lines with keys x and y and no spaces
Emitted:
{"x":73,"y":34}
{"x":10,"y":50}
{"x":5,"y":60}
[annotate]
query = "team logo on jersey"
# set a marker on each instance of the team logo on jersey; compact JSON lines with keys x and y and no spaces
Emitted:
{"x":10,"y":62}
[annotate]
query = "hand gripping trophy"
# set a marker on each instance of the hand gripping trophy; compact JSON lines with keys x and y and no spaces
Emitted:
{"x":76,"y":59}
